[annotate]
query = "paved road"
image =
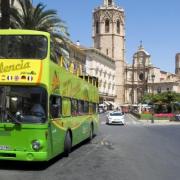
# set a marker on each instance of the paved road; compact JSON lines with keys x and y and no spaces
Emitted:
{"x":131,"y":152}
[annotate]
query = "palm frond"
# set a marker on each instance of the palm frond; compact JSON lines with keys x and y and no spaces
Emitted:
{"x":38,"y":18}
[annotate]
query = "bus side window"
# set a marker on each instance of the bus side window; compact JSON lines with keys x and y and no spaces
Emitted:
{"x":86,"y":107}
{"x":74,"y":107}
{"x":55,"y":106}
{"x":95,"y":110}
{"x":80,"y":107}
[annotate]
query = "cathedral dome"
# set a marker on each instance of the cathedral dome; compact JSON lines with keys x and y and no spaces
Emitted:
{"x":141,"y":49}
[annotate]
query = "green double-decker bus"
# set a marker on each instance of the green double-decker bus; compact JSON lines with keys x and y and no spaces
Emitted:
{"x":44,"y":109}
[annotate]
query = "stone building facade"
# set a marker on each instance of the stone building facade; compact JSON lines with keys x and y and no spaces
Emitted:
{"x":109,"y":39}
{"x":102,"y":67}
{"x":142,"y":77}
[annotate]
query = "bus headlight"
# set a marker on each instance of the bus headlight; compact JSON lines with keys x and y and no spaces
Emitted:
{"x":36,"y":145}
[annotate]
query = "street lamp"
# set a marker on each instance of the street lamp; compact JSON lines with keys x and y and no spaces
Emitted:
{"x":152,"y":77}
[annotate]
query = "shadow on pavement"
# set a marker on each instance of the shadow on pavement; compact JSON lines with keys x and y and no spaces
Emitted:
{"x":36,"y":166}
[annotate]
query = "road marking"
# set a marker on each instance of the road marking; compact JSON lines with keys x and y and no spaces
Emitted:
{"x":73,"y":160}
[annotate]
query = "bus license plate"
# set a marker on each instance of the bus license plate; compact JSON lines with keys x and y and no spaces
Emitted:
{"x":3,"y":147}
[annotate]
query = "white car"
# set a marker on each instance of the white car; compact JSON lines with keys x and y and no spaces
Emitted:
{"x":115,"y":117}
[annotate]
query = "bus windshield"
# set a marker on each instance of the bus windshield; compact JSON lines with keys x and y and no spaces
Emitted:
{"x":23,"y":46}
{"x":23,"y":104}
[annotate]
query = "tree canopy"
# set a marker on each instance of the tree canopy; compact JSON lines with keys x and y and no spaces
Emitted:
{"x":161,"y":98}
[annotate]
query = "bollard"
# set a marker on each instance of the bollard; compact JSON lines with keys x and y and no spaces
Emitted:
{"x":152,"y":119}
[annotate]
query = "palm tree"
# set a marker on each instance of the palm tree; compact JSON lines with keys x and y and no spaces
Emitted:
{"x":5,"y":15}
{"x":38,"y":18}
{"x":5,"y":21}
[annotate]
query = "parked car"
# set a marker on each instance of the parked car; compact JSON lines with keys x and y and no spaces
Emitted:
{"x":115,"y":117}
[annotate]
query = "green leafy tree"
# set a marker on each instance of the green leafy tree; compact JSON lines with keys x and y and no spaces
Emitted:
{"x":178,"y":97}
{"x":147,"y":98}
{"x":161,"y":98}
{"x":38,"y":18}
{"x":164,"y":101}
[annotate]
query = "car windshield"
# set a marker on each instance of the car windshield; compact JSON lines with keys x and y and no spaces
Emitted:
{"x":23,"y":47}
{"x":116,"y":114}
{"x":23,"y":104}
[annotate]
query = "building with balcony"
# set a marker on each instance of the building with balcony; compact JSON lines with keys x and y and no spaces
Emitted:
{"x":102,"y":67}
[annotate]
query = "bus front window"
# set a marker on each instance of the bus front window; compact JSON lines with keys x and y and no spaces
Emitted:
{"x":23,"y":104}
{"x":23,"y":47}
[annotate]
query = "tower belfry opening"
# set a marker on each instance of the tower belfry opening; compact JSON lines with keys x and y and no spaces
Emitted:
{"x":108,"y":2}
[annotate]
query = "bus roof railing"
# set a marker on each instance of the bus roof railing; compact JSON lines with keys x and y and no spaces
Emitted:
{"x":91,"y":79}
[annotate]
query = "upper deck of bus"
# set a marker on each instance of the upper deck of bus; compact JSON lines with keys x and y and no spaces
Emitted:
{"x":41,"y":71}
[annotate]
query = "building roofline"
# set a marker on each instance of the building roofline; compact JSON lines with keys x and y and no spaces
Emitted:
{"x":99,"y":52}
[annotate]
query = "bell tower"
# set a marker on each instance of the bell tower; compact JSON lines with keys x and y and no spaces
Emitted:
{"x":177,"y":70}
{"x":109,"y":37}
{"x":108,"y":3}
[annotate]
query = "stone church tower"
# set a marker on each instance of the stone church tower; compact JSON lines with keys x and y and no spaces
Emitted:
{"x":177,"y":70}
{"x":109,"y":38}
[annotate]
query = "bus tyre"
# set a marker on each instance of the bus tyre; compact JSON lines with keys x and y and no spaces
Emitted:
{"x":67,"y":144}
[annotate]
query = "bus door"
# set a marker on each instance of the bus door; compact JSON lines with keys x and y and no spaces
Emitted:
{"x":56,"y":129}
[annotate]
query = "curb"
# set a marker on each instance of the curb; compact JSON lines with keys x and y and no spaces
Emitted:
{"x":156,"y":122}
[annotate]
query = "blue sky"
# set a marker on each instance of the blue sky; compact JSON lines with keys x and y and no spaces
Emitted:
{"x":155,"y":22}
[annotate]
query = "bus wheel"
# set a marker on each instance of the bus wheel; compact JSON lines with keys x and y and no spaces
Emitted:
{"x":67,"y":144}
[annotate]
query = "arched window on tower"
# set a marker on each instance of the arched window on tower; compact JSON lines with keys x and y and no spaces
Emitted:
{"x":106,"y":25}
{"x":118,"y":26}
{"x":109,"y":2}
{"x":97,"y":27}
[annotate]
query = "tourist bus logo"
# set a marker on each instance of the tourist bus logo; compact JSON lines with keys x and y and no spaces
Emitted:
{"x":14,"y":67}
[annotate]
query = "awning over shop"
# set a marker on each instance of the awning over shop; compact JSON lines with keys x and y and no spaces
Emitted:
{"x":112,"y":103}
{"x":107,"y":103}
{"x":102,"y":105}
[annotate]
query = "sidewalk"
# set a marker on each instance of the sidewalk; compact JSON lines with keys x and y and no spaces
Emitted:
{"x":156,"y":122}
